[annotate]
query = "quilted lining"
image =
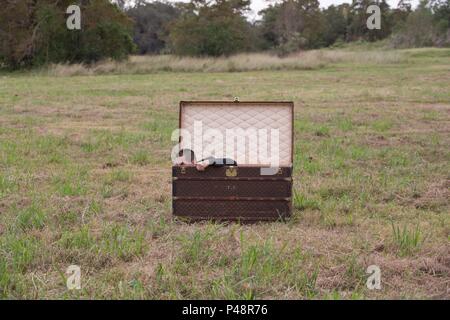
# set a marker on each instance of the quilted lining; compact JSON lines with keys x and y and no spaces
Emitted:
{"x":243,"y":116}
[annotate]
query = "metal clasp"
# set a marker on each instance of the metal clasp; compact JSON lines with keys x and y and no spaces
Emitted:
{"x":183,"y":170}
{"x":231,"y":172}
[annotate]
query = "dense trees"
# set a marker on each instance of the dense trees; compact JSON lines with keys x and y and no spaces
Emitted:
{"x":336,"y":21}
{"x":291,"y":25}
{"x":151,"y":25}
{"x":298,"y":25}
{"x":428,"y":25}
{"x":34,"y":32}
{"x":211,"y":28}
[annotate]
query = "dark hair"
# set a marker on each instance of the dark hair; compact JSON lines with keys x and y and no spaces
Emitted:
{"x":188,"y":154}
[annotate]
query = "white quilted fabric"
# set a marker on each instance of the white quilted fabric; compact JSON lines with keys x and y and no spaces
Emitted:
{"x":255,"y":119}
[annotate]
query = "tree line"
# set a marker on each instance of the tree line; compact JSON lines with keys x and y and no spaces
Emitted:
{"x":34,"y":32}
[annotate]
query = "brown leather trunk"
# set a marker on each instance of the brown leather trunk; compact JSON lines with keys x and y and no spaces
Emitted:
{"x":235,"y":192}
{"x":231,"y":193}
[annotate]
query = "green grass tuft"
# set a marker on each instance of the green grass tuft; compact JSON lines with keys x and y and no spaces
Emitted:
{"x":407,"y":241}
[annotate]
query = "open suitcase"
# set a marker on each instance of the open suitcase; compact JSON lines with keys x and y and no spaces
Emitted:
{"x":243,"y":192}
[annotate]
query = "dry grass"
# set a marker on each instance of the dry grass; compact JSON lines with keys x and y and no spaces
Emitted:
{"x":307,"y":60}
{"x":85,"y":179}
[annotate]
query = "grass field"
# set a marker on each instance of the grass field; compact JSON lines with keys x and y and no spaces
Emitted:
{"x":85,"y":179}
